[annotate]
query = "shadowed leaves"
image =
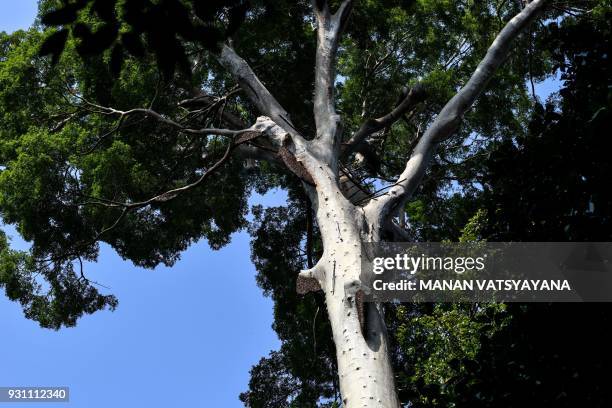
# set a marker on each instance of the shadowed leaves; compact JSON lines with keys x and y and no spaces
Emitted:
{"x":160,"y":28}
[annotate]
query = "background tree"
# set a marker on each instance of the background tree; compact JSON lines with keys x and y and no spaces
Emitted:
{"x":551,"y":354}
{"x":90,"y":156}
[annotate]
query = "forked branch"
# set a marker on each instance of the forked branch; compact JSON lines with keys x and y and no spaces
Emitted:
{"x":257,"y":92}
{"x":240,"y":138}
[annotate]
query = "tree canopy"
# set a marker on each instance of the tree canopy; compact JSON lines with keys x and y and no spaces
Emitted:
{"x":104,"y":142}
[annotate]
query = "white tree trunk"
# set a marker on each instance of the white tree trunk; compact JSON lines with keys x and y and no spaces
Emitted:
{"x":364,"y":367}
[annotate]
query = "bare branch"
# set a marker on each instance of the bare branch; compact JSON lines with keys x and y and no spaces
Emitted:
{"x":263,"y":126}
{"x":329,"y":30}
{"x":68,"y":117}
{"x":449,"y":118}
{"x":165,"y":196}
{"x":257,"y":92}
{"x":149,"y":112}
{"x":213,"y":106}
{"x":370,"y":126}
{"x":239,"y":144}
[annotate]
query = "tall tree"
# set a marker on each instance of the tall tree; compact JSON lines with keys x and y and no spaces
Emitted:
{"x":89,"y":156}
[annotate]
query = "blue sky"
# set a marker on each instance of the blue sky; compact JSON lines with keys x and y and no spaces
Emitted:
{"x":16,"y":14}
{"x":185,"y":336}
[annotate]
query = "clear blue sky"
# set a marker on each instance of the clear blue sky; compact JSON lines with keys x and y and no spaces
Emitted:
{"x":181,"y":337}
{"x":17,"y":14}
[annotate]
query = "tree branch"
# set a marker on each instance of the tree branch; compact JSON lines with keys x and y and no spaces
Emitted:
{"x":251,"y":151}
{"x":127,"y":207}
{"x":105,"y":110}
{"x":263,"y":126}
{"x":257,"y":92}
{"x":413,"y":97}
{"x":329,"y":30}
{"x":449,"y":118}
{"x":172,"y":193}
{"x":209,"y":103}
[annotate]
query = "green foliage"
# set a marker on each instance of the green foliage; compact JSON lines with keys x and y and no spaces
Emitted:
{"x":66,"y":297}
{"x":473,"y":230}
{"x":557,"y":189}
{"x":132,"y":27}
{"x":304,"y":370}
{"x":548,"y":184}
{"x":517,"y":170}
{"x":63,"y":167}
{"x":392,"y":44}
{"x":440,"y":346}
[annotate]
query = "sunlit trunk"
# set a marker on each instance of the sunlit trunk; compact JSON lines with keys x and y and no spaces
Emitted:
{"x":364,"y":367}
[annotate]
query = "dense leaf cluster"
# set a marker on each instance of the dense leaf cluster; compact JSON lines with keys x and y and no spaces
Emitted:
{"x":138,"y":26}
{"x":518,"y":169}
{"x":549,"y":184}
{"x":67,"y":171}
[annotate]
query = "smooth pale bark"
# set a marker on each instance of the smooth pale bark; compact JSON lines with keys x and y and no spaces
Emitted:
{"x":364,"y":368}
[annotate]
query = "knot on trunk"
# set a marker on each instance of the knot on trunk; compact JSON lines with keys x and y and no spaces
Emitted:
{"x":306,"y":285}
{"x":247,"y":136}
{"x":308,"y":281}
{"x":354,"y":293}
{"x":295,"y":166}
